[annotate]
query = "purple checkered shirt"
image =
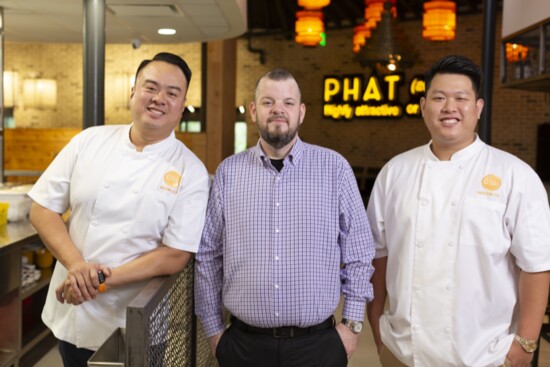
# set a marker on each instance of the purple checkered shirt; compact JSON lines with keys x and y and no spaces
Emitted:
{"x":273,"y":242}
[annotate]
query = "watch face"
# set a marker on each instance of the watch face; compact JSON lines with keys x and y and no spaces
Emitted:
{"x":358,"y":327}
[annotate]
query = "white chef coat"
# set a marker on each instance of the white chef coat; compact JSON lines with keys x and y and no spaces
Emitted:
{"x":123,"y":203}
{"x":456,"y":234}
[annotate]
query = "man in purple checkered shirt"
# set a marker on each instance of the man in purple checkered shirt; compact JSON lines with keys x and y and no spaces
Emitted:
{"x":286,"y":235}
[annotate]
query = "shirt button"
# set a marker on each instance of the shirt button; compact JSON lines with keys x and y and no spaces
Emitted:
{"x":277,"y":230}
{"x":278,"y":178}
{"x":277,"y":314}
{"x":276,"y":286}
{"x":277,"y":204}
{"x":276,"y":258}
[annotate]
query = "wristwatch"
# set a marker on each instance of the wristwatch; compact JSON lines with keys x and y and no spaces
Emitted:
{"x":355,"y":326}
{"x":528,"y":345}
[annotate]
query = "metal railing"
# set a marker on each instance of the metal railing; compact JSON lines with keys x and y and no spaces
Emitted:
{"x":161,"y":328}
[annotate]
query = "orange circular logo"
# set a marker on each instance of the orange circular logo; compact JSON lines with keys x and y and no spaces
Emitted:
{"x":172,"y":179}
{"x":491,"y":182}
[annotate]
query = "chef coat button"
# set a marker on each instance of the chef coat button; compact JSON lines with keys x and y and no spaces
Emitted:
{"x":416,"y":327}
{"x":125,"y":230}
{"x":448,"y":287}
{"x":420,"y":244}
{"x":93,"y":223}
{"x":429,"y":166}
{"x":416,"y":287}
{"x":460,"y":166}
{"x":453,"y":203}
{"x":424,"y":202}
{"x":135,"y":191}
{"x":450,"y":244}
{"x":447,"y":330}
{"x":106,"y":185}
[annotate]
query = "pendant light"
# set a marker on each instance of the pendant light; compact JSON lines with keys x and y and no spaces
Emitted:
{"x":388,"y":48}
{"x":439,"y":20}
{"x":309,"y":25}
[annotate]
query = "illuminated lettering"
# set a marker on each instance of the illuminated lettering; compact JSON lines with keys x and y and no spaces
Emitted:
{"x":392,"y":80}
{"x":353,"y":90}
{"x":337,"y":111}
{"x":384,"y":110}
{"x":418,"y":86}
{"x":413,"y":109}
{"x":332,"y":88}
{"x":372,"y":91}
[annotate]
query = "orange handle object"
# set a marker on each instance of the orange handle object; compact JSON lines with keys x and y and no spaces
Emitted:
{"x":101,"y":277}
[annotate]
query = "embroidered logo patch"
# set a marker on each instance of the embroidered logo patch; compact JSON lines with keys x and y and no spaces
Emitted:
{"x":491,"y":182}
{"x":172,"y":180}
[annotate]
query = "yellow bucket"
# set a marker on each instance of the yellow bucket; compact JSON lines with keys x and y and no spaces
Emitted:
{"x":4,"y":213}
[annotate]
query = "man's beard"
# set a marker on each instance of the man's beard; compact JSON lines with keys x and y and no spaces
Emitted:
{"x":277,"y":139}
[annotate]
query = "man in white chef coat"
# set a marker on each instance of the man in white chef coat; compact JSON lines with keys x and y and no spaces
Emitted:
{"x":137,"y":197}
{"x":462,"y":232}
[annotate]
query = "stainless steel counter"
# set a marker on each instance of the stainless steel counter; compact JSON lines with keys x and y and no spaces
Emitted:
{"x":15,"y":233}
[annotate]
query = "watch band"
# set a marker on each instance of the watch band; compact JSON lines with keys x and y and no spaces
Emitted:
{"x":528,"y":345}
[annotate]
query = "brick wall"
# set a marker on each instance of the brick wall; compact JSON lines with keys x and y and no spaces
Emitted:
{"x":516,"y":113}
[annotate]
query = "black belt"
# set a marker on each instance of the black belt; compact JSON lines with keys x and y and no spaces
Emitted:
{"x":283,"y":332}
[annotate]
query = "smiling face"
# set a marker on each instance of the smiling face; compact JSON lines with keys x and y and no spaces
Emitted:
{"x":278,"y":113}
{"x":451,"y":111}
{"x":157,"y":102}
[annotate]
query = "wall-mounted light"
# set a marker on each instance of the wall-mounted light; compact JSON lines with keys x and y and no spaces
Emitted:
{"x":360,"y":35}
{"x":39,"y":93}
{"x":11,"y":88}
{"x":373,"y":12}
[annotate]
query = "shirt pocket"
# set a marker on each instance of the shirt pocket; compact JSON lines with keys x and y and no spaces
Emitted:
{"x":482,"y":224}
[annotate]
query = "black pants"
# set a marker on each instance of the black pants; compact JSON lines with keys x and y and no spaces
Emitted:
{"x":73,"y":356}
{"x":239,"y":348}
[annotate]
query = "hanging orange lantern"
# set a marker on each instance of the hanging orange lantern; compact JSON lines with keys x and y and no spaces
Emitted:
{"x":313,"y":4}
{"x":373,"y":11}
{"x":309,"y":26}
{"x":515,"y":52}
{"x":360,"y":35}
{"x":439,"y":20}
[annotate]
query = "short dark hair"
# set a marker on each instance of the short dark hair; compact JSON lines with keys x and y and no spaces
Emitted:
{"x":277,"y":74}
{"x":170,"y":59}
{"x":454,"y":64}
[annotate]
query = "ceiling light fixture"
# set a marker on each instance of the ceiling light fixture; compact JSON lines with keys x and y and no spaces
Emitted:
{"x":309,"y":27}
{"x":166,"y":31}
{"x":439,"y":20}
{"x":388,"y":47}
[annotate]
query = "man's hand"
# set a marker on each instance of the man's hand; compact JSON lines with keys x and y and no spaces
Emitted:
{"x":213,"y":342}
{"x":517,"y":357}
{"x":349,"y":339}
{"x":68,"y":292}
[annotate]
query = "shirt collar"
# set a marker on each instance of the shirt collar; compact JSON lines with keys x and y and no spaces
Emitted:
{"x":464,"y":153}
{"x":151,"y":148}
{"x":296,"y":152}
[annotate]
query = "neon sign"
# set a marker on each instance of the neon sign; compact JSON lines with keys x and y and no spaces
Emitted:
{"x":352,"y":97}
